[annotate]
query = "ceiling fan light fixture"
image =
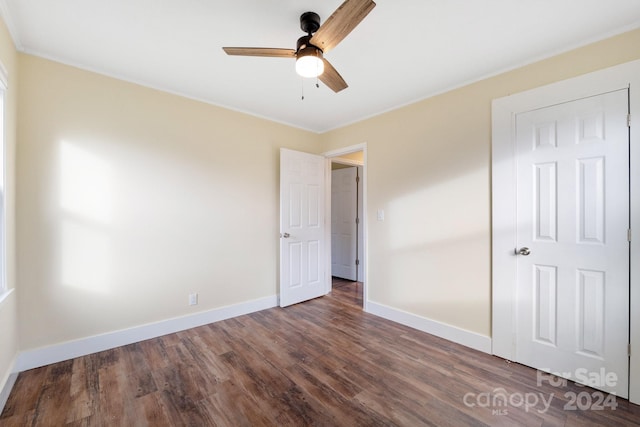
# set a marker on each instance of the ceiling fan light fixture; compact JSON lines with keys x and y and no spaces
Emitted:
{"x":309,"y":62}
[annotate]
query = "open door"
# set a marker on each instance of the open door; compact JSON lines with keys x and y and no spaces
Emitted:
{"x":302,"y":227}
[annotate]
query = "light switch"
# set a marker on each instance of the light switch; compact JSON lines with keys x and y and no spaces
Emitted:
{"x":380,"y":215}
{"x":193,"y":299}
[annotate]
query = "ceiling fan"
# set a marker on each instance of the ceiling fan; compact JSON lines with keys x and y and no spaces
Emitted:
{"x":318,"y":41}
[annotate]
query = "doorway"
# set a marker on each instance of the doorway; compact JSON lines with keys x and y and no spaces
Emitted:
{"x":346,"y":201}
{"x":346,"y":230}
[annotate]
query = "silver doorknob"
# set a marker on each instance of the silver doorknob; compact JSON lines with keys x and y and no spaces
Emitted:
{"x":285,"y":235}
{"x":523,"y":251}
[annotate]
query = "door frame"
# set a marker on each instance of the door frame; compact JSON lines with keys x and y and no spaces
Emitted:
{"x":504,"y":110}
{"x":329,"y":155}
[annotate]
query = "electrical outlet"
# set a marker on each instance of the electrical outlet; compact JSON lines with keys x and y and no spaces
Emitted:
{"x":193,"y":299}
{"x":380,"y":215}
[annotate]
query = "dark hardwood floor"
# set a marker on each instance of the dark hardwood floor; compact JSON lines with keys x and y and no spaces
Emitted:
{"x":324,"y":362}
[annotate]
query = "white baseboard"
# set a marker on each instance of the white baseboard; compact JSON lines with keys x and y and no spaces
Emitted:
{"x":433,"y":327}
{"x":5,"y":388}
{"x":71,"y":349}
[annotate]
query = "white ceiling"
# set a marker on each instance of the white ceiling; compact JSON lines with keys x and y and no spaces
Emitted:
{"x":405,"y":50}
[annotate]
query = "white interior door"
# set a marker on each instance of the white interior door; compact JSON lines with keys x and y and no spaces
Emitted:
{"x":572,"y":309}
{"x":302,"y":227}
{"x":343,"y":223}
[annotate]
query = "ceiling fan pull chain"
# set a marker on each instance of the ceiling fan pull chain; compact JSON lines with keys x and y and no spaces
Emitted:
{"x":302,"y":87}
{"x":317,"y":70}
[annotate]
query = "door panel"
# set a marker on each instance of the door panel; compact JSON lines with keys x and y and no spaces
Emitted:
{"x":545,"y":202}
{"x":546,"y":304}
{"x":591,"y":190}
{"x":302,"y":266}
{"x":591,"y":313}
{"x":573,"y":216}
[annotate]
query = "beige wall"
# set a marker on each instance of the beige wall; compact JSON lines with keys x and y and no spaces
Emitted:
{"x":8,"y":316}
{"x":429,"y":170}
{"x":131,"y":198}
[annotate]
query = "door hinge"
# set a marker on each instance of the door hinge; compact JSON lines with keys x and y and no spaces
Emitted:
{"x":628,"y":349}
{"x":357,"y":262}
{"x":629,"y":235}
{"x":357,"y":220}
{"x":357,"y":179}
{"x":629,"y":120}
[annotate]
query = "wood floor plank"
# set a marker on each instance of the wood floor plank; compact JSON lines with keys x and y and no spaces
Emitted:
{"x":231,"y":406}
{"x":216,"y":371}
{"x":30,"y":384}
{"x":324,"y":362}
{"x":210,"y":336}
{"x":113,"y":383}
{"x":20,"y":420}
{"x":398,"y":399}
{"x":53,"y":396}
{"x":342,"y":411}
{"x":82,"y":404}
{"x":155,"y":353}
{"x":152,"y":411}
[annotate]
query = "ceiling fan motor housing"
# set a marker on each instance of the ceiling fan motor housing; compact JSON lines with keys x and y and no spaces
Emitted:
{"x":309,"y":22}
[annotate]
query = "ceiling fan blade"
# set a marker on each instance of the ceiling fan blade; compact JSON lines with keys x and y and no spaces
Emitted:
{"x":341,"y":23}
{"x":260,"y":51}
{"x":332,"y":78}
